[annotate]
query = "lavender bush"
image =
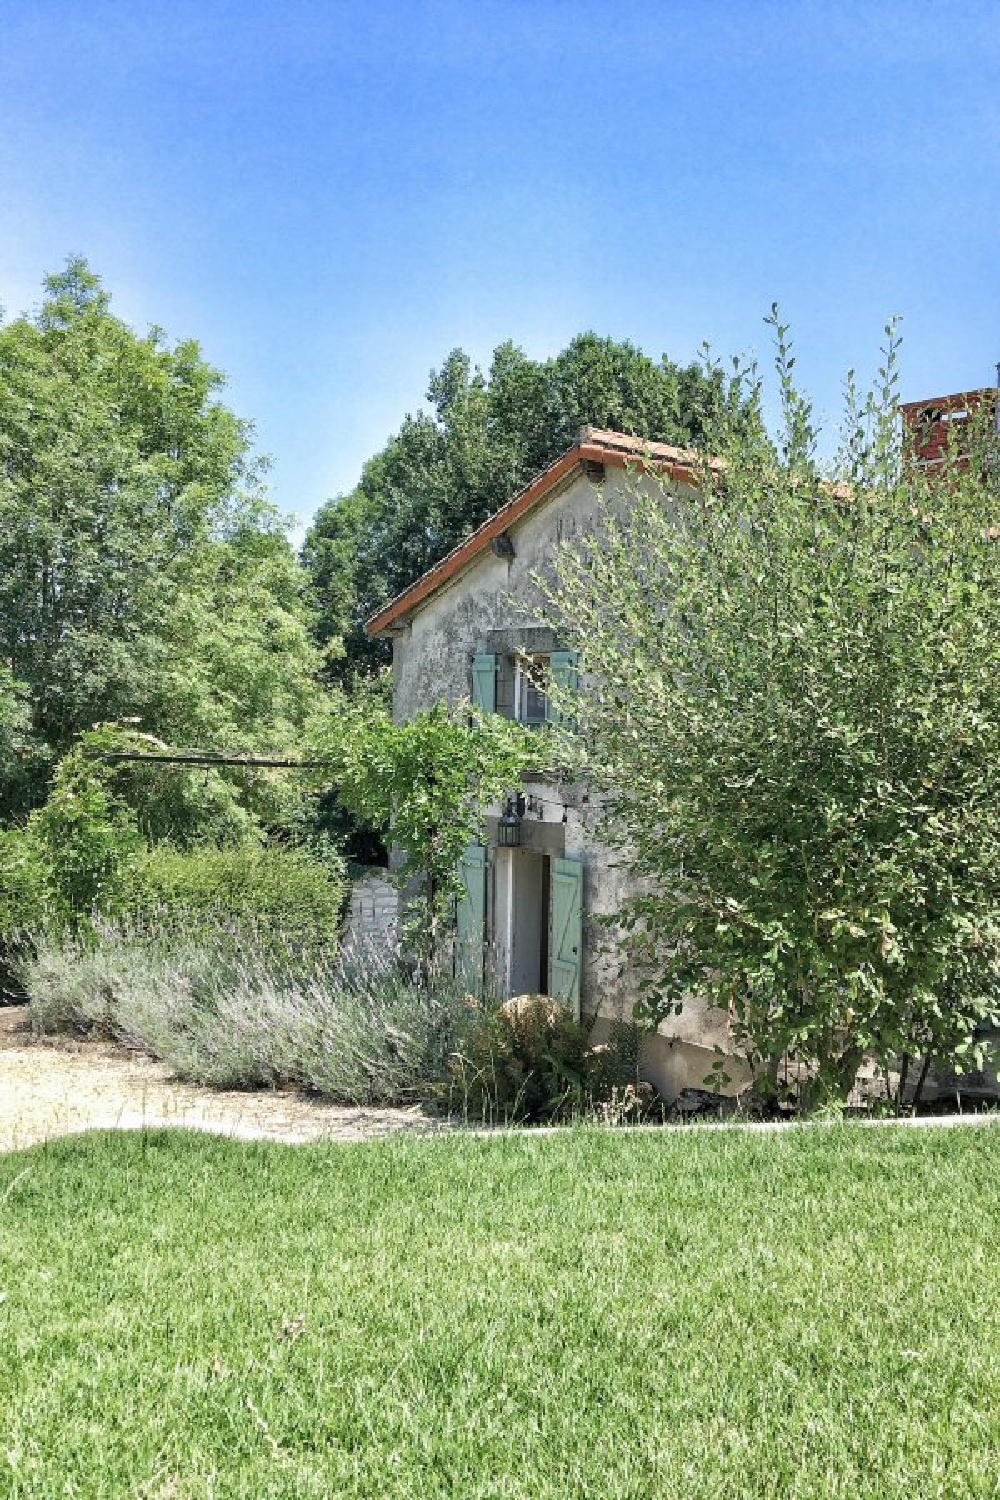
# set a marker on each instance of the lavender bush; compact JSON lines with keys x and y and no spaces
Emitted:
{"x":358,"y":1027}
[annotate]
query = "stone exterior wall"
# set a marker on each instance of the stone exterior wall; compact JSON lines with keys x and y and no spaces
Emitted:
{"x":495,"y":605}
{"x":374,"y":909}
{"x":432,"y":656}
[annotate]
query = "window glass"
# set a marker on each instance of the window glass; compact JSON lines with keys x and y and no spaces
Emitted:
{"x":533,"y":705}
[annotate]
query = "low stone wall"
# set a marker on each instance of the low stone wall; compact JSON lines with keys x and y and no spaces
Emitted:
{"x":374,"y":909}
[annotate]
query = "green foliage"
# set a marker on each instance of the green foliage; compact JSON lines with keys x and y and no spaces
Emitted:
{"x":794,"y":718}
{"x":100,"y":840}
{"x":270,"y":889}
{"x":142,"y":573}
{"x":164,"y":843}
{"x":240,"y":667}
{"x":22,"y":757}
{"x":173,"y":802}
{"x":432,"y":778}
{"x":28,"y":899}
{"x":445,"y":471}
{"x":28,"y":904}
{"x":528,"y":1060}
{"x":86,"y":836}
{"x":100,"y":816}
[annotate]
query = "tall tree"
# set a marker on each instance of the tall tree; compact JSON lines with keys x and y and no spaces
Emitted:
{"x":22,"y":759}
{"x":791,"y":705}
{"x":142,"y":573}
{"x":484,"y":437}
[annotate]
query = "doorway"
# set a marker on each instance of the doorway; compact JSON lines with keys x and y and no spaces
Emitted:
{"x":522,"y":889}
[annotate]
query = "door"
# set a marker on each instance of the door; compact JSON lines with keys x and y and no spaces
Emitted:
{"x":470,"y":920}
{"x":522,"y":920}
{"x":566,"y":947}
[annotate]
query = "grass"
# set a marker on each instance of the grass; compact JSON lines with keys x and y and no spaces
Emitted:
{"x":814,"y":1312}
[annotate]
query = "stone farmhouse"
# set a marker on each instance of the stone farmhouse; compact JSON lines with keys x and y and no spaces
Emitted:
{"x":472,"y":627}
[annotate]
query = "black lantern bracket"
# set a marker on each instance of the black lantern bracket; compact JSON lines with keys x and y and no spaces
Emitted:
{"x":509,"y":825}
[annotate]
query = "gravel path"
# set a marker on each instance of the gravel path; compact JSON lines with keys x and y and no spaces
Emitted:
{"x":58,"y":1086}
{"x":52,"y":1087}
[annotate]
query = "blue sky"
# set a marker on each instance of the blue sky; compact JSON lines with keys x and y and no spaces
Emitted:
{"x":331,"y":196}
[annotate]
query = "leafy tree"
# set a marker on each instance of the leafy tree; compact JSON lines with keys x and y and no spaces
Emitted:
{"x":142,"y":573}
{"x":85,"y":833}
{"x":167,"y":802}
{"x":430,"y":779}
{"x":446,"y":470}
{"x":793,"y":714}
{"x":22,"y":758}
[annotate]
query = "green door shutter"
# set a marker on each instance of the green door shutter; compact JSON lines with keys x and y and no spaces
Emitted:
{"x":470,"y":920}
{"x":484,"y":683}
{"x":565,"y":669}
{"x":566,"y":947}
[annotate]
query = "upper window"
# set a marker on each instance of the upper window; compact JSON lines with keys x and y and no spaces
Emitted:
{"x":520,"y":687}
{"x":531,"y":700}
{"x":514,"y":684}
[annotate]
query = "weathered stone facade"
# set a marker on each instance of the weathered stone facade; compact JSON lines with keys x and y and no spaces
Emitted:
{"x":492,"y":604}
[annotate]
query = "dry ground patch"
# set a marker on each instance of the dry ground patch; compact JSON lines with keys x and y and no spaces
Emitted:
{"x":56,"y":1086}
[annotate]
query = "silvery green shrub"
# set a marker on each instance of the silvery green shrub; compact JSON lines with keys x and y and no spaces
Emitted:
{"x":791,"y":710}
{"x":360,"y":1026}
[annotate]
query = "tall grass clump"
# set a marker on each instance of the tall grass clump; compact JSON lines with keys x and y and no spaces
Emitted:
{"x":527,"y":1059}
{"x":242,"y":1010}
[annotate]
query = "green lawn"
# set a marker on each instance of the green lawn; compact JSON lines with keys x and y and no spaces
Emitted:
{"x":685,"y":1314}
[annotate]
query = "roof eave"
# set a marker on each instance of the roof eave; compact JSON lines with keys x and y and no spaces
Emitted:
{"x":674,"y":463}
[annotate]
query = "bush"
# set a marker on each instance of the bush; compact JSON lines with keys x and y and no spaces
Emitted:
{"x":27,"y":897}
{"x":86,"y":839}
{"x":362,"y":1027}
{"x":528,"y":1060}
{"x":28,"y":903}
{"x":791,"y":711}
{"x":272,"y":889}
{"x":358,"y":1028}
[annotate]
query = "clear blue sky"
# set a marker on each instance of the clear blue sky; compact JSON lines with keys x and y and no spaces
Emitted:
{"x":330,"y":196}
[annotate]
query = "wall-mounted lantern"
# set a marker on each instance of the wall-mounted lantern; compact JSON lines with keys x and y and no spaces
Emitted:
{"x":509,"y":825}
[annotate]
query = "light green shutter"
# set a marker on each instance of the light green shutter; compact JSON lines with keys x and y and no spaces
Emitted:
{"x":564,"y":667}
{"x":470,"y":920}
{"x":566,"y":947}
{"x":484,"y":683}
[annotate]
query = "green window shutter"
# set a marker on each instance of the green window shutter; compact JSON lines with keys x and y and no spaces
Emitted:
{"x":484,"y":683}
{"x":564,"y":667}
{"x":470,"y":920}
{"x":566,"y":945}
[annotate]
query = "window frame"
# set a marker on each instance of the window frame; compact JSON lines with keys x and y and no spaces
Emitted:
{"x":525,"y":686}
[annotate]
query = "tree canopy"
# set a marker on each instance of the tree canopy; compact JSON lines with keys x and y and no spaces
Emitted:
{"x":143,"y":574}
{"x":485,"y":436}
